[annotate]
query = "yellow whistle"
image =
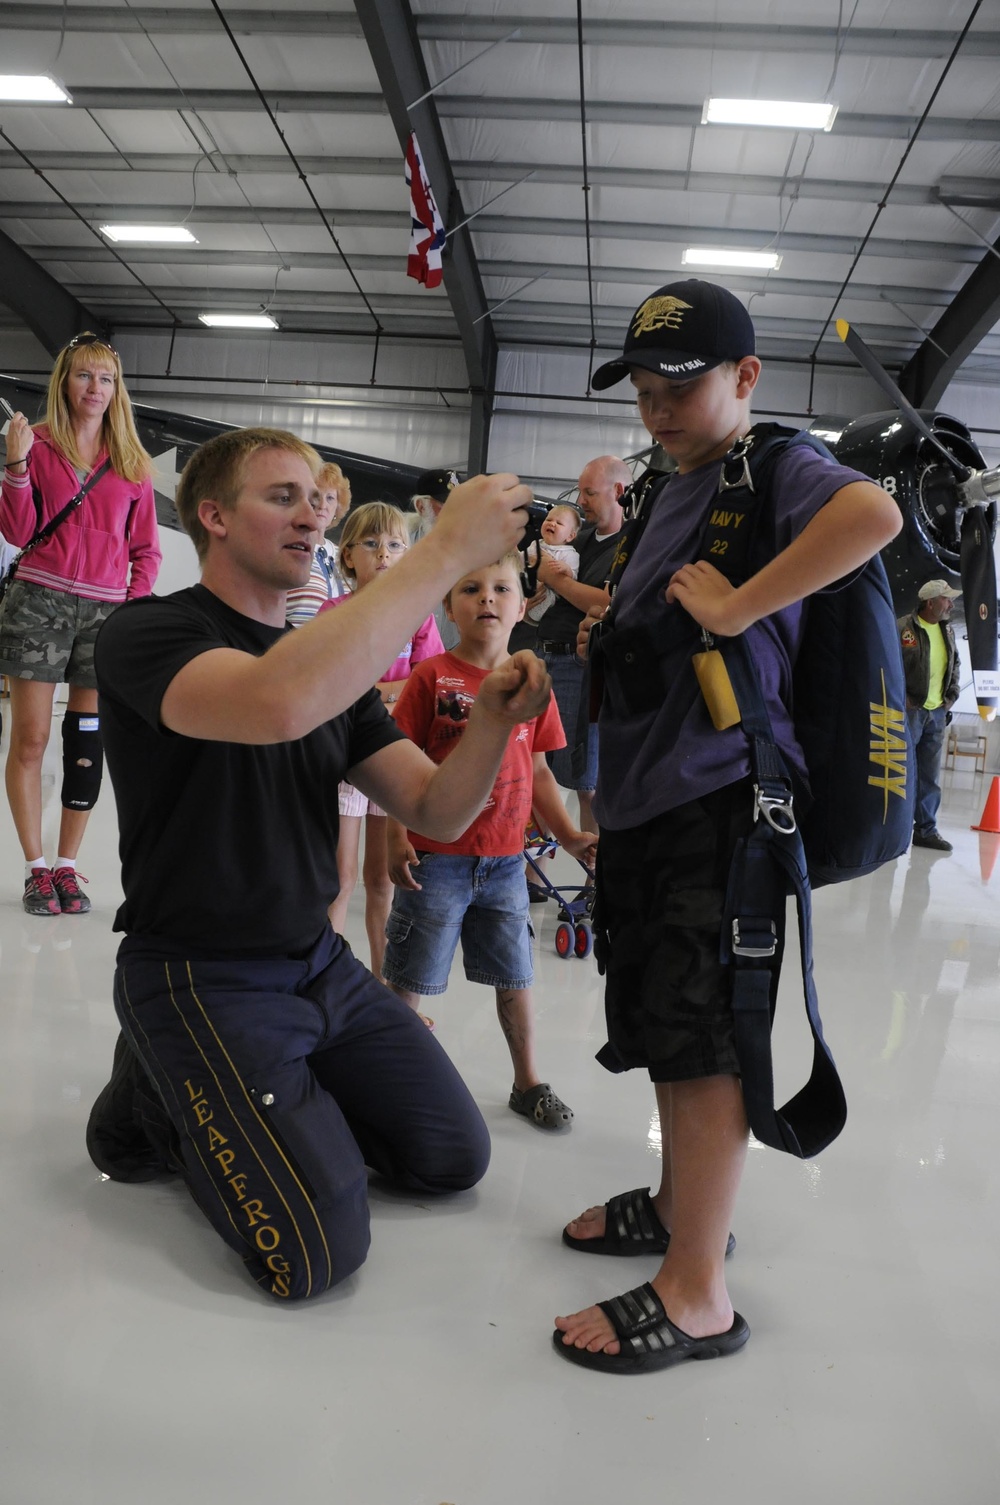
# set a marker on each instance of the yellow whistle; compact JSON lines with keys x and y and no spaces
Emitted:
{"x":713,"y":678}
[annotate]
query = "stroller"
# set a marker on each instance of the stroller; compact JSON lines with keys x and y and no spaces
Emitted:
{"x":574,"y":932}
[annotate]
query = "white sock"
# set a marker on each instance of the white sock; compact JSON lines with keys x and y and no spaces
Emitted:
{"x":65,"y":862}
{"x":29,"y":867}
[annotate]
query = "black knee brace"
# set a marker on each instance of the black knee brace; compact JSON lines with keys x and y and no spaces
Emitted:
{"x":83,"y":760}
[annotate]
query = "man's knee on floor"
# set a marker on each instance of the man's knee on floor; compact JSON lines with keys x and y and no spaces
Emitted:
{"x":459,"y":1163}
{"x":292,"y":1270}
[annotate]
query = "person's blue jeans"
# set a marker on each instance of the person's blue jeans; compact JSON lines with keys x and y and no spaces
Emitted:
{"x":568,"y":675}
{"x":927,"y":734}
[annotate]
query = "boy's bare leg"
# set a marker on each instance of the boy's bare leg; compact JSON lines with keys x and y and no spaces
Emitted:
{"x":592,"y":1223}
{"x":708,"y":1143}
{"x":518,"y":1024}
{"x":378,"y":890}
{"x":412,"y":1000}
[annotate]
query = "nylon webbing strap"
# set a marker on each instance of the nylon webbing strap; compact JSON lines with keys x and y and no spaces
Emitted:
{"x":769,"y":866}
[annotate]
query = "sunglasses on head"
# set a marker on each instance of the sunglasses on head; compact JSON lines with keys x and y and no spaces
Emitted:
{"x":79,"y":341}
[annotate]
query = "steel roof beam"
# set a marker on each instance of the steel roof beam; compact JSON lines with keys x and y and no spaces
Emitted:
{"x":501,"y":224}
{"x":983,"y":192}
{"x":392,"y":41}
{"x":479,"y":107}
{"x":52,"y":314}
{"x":864,"y":41}
{"x":638,"y":178}
{"x":184,"y":21}
{"x":970,"y":316}
{"x":790,"y":287}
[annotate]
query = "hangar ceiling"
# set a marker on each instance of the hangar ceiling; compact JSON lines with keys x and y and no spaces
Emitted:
{"x":565,"y":146}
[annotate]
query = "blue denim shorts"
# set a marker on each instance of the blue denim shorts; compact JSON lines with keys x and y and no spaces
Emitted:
{"x":483,"y":901}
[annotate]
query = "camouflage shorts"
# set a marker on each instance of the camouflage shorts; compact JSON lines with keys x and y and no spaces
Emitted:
{"x":49,"y":635}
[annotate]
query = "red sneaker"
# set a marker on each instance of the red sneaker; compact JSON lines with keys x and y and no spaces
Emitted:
{"x":40,"y":896}
{"x":66,"y":882}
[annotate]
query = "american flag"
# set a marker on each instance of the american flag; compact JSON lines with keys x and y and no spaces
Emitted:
{"x":427,"y":232}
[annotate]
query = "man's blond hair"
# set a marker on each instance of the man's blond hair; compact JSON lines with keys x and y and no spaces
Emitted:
{"x":217,"y":470}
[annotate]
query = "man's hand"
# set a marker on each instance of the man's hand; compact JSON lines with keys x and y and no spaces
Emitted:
{"x":20,"y":438}
{"x":595,"y":614}
{"x":708,"y":597}
{"x":550,"y":572}
{"x":482,"y":520}
{"x":400,"y":858}
{"x":519,"y":690}
{"x":582,"y":844}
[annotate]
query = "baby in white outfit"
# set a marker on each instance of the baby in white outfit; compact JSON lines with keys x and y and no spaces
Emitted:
{"x":558,"y":530}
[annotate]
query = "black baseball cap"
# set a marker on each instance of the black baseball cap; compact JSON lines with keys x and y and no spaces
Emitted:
{"x":680,"y":331}
{"x":436,"y":484}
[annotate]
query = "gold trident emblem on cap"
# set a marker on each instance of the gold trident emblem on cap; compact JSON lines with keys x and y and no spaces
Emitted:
{"x":659,"y":313}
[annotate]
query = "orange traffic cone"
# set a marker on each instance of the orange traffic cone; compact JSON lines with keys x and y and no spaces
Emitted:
{"x":990,"y":818}
{"x":989,"y":847}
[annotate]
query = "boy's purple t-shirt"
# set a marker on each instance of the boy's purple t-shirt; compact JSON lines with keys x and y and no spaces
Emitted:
{"x":656,"y":761}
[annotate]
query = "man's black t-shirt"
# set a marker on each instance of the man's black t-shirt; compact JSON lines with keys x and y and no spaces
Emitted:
{"x":225,"y":847}
{"x":560,"y":622}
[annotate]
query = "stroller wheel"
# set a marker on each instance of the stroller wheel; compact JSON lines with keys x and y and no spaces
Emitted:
{"x":583,"y":939}
{"x":565,"y":939}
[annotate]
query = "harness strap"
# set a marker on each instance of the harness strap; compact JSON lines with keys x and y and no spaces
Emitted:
{"x":769,"y":865}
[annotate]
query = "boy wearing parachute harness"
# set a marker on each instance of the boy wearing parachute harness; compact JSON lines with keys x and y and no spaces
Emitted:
{"x":676,"y":798}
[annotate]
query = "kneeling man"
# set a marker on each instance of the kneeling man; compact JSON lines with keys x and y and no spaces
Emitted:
{"x":258,"y":1057}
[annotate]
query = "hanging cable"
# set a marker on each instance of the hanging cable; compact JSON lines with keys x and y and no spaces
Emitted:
{"x":586,"y":188}
{"x":84,"y":221}
{"x":883,"y":202}
{"x":296,"y":164}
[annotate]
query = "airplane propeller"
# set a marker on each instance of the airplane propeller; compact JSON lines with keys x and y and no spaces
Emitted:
{"x":974,"y":491}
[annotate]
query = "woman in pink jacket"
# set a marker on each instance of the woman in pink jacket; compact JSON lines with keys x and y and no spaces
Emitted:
{"x":104,"y":552}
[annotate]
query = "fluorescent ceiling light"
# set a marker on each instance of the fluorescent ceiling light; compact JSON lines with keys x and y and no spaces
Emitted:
{"x":157,"y":234}
{"x":238,"y":321}
{"x":704,"y":256}
{"x":780,"y":112}
{"x":36,"y":87}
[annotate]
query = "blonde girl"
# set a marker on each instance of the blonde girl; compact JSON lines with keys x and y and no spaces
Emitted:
{"x":374,"y":538}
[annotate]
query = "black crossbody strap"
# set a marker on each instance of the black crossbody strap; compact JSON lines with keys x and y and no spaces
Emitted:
{"x":45,"y":533}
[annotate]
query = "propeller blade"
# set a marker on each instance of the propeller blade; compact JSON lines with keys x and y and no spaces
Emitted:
{"x":881,"y":377}
{"x":979,"y":598}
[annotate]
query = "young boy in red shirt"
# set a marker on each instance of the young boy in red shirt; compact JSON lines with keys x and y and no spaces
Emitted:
{"x":474,"y":888}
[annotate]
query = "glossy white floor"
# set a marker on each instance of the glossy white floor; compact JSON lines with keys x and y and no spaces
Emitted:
{"x":139,"y":1364}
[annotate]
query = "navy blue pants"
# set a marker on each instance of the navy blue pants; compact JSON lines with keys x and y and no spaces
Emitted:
{"x":283,"y":1079}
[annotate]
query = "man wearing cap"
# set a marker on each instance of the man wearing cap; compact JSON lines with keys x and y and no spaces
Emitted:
{"x":931,"y":664}
{"x":675,"y":798}
{"x":431,"y":491}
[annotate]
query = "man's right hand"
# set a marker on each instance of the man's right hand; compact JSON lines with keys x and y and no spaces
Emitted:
{"x":482,"y":520}
{"x":595,"y":614}
{"x":20,"y":438}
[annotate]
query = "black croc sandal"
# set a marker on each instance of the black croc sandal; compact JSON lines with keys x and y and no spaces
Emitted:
{"x":540,"y":1104}
{"x":648,"y":1338}
{"x":630,"y":1227}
